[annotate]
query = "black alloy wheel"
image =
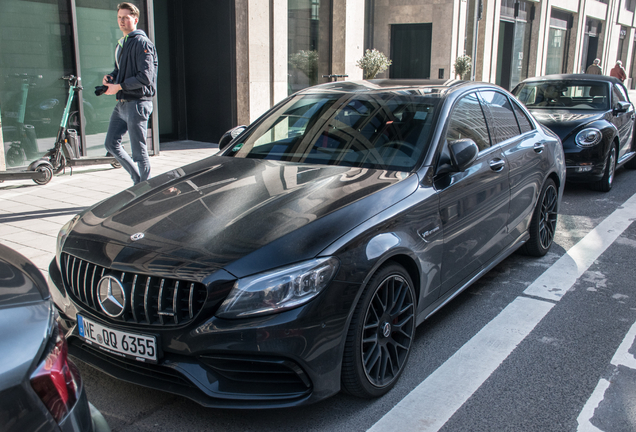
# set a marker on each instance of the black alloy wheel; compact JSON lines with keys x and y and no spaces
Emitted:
{"x":605,"y":183}
{"x":544,"y":221}
{"x":381,"y":334}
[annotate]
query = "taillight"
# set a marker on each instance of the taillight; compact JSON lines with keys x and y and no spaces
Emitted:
{"x":56,"y":380}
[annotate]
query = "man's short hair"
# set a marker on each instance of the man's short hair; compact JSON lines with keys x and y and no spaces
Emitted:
{"x":134,"y":11}
{"x":618,"y":62}
{"x":597,"y":61}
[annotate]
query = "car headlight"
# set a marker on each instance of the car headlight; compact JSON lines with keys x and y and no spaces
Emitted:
{"x":278,"y":290}
{"x":588,"y":137}
{"x":61,"y":237}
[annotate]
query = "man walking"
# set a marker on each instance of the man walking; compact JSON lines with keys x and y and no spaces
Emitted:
{"x":618,"y":71}
{"x":134,"y":82}
{"x":595,"y":68}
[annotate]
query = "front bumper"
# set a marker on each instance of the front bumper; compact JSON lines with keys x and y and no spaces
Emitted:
{"x":282,"y":360}
{"x":584,"y":164}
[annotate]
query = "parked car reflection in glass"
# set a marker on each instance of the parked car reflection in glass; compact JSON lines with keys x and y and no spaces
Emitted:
{"x":299,"y":261}
{"x":594,"y":118}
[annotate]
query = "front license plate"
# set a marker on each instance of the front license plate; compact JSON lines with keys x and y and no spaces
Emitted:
{"x":124,"y":344}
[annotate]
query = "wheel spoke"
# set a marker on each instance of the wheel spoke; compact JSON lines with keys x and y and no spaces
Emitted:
{"x":384,"y":356}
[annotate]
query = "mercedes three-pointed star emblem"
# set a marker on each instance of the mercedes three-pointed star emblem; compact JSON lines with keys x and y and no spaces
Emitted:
{"x":112,"y":296}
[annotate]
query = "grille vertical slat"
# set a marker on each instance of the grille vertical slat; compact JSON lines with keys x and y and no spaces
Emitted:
{"x":191,"y":303}
{"x":133,"y":307}
{"x":147,"y":300}
{"x":160,"y":301}
{"x":167,"y":296}
{"x":175,"y":305}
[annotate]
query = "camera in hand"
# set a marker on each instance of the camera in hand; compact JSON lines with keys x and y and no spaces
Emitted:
{"x":100,"y":90}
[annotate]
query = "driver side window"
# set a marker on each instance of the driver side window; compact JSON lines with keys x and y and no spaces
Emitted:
{"x":467,"y":121}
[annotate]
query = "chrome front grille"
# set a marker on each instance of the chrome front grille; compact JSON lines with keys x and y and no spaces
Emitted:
{"x":151,"y":300}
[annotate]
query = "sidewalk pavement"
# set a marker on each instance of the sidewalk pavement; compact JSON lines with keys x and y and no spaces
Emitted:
{"x":32,"y":215}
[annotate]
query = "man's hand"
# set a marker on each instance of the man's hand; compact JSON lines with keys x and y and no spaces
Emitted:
{"x":112,"y":89}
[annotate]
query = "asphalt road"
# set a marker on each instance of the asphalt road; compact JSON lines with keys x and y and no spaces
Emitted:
{"x":499,"y":357}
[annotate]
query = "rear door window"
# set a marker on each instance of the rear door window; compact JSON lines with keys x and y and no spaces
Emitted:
{"x":502,"y":116}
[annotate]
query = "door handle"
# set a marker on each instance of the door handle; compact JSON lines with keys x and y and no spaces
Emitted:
{"x":538,"y":147}
{"x":496,"y":165}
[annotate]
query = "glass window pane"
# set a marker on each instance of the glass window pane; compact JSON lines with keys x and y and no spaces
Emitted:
{"x":35,"y":52}
{"x":503,"y":118}
{"x":524,"y":122}
{"x":372,"y":131}
{"x":308,"y":42}
{"x":98,"y":33}
{"x":556,"y":51}
{"x":467,"y":121}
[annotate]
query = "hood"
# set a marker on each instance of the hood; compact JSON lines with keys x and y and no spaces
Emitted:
{"x":564,"y":123}
{"x":221,"y":209}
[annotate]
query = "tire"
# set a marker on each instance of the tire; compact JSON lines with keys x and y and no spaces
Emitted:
{"x":605,"y":184}
{"x":380,"y":335}
{"x":48,"y":174}
{"x":544,"y":221}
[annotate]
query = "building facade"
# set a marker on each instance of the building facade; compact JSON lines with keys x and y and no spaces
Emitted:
{"x":225,"y":62}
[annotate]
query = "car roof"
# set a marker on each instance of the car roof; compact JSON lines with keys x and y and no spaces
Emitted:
{"x":581,"y":77}
{"x":425,"y":86}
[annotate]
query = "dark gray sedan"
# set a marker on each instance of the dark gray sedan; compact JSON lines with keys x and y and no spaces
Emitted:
{"x":40,"y":388}
{"x":594,"y":118}
{"x":299,"y":261}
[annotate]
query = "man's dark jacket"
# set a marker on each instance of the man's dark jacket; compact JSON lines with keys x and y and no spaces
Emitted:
{"x":137,"y":72}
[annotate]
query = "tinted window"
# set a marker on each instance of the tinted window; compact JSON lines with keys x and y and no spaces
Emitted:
{"x":568,"y":94}
{"x":621,"y":91}
{"x":467,"y":121}
{"x":503,"y":118}
{"x":384,"y":130}
{"x":524,"y":122}
{"x":616,"y":95}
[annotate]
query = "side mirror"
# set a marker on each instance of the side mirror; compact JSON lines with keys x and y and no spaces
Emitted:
{"x":622,"y":106}
{"x":463,"y":152}
{"x":230,"y":135}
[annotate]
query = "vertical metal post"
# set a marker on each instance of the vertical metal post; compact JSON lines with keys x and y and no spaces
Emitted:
{"x":154,"y":124}
{"x":473,"y":69}
{"x":78,"y":72}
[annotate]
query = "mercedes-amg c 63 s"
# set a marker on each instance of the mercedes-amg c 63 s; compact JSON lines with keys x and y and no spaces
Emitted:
{"x":299,"y":261}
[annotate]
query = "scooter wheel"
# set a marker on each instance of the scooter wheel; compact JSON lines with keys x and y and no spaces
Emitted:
{"x":48,"y":174}
{"x":115,"y":165}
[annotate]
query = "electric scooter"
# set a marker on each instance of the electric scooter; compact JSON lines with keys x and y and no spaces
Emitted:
{"x":66,"y":152}
{"x":40,"y":171}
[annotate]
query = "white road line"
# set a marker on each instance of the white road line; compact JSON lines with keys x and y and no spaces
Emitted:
{"x":588,"y":410}
{"x":434,"y":401}
{"x":437,"y":398}
{"x":559,"y":278}
{"x":622,"y":357}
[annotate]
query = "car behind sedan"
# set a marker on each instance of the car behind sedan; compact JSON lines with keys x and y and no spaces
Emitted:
{"x":299,"y":261}
{"x":40,"y":388}
{"x":594,"y":118}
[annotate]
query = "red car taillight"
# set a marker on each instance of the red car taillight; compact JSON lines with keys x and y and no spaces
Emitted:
{"x":56,"y":380}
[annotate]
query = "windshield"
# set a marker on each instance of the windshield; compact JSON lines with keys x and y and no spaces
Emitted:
{"x":564,"y":94}
{"x":387,"y":131}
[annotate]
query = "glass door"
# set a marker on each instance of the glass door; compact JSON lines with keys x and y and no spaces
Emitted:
{"x":35,"y":52}
{"x":98,"y":33}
